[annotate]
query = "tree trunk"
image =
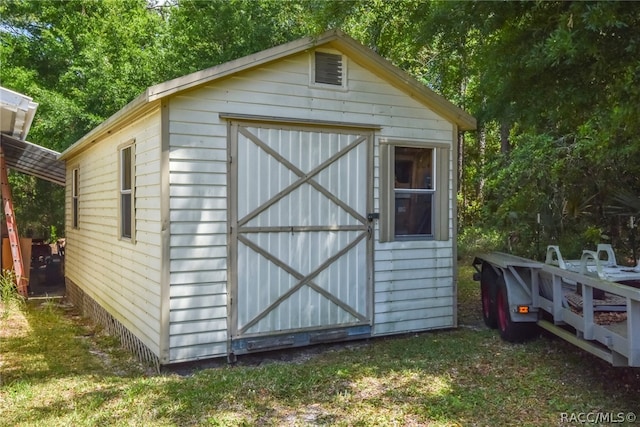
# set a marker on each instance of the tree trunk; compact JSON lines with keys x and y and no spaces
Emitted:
{"x":460,"y":161}
{"x":505,"y":144}
{"x":482,"y":148}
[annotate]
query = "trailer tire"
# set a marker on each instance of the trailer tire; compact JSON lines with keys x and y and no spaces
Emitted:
{"x":488,"y":287}
{"x":511,"y":331}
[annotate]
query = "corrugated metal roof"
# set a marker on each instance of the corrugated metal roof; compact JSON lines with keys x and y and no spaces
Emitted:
{"x":32,"y":159}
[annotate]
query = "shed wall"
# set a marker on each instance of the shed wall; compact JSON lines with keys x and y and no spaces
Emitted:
{"x":415,"y":280}
{"x":120,"y":275}
{"x":413,"y":287}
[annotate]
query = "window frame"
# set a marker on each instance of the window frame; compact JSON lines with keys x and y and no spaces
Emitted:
{"x":122,"y":192}
{"x":440,"y":193}
{"x":312,"y":70}
{"x":75,"y":199}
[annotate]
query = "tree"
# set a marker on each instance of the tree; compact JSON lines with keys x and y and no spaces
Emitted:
{"x":554,"y":85}
{"x":561,"y":72}
{"x":81,"y":61}
{"x":204,"y":34}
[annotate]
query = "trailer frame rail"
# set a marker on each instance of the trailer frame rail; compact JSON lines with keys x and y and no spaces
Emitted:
{"x":543,"y":289}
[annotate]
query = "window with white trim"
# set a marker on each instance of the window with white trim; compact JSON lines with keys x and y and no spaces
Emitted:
{"x":74,"y":197}
{"x":127,"y":209}
{"x":414,"y":192}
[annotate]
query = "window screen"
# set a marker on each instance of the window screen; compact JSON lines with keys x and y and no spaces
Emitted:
{"x":74,"y":196}
{"x":126,"y":193}
{"x":414,"y":192}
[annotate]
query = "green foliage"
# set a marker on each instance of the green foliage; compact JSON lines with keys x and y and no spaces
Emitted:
{"x":10,"y":299}
{"x":38,"y":205}
{"x":563,"y":77}
{"x":473,"y":240}
{"x":81,"y":61}
{"x":555,"y":87}
{"x":203,"y":34}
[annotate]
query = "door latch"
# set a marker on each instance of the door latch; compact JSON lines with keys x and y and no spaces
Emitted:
{"x":373,"y":215}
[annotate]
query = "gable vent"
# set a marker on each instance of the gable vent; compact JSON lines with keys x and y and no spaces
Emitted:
{"x":329,"y":68}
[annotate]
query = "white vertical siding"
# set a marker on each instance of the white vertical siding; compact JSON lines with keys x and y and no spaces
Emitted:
{"x":122,"y":276}
{"x":413,"y":287}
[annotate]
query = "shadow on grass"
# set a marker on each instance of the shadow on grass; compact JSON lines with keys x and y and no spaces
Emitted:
{"x":48,"y":348}
{"x":450,"y":378}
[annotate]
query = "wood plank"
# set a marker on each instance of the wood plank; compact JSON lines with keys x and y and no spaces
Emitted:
{"x":203,"y":313}
{"x":190,"y":353}
{"x":416,"y":285}
{"x":193,"y":339}
{"x":192,"y":252}
{"x":413,"y":325}
{"x":197,"y":277}
{"x":419,"y":317}
{"x":210,"y":141}
{"x":426,"y":250}
{"x":198,"y":191}
{"x":198,"y":307}
{"x":387,"y":298}
{"x":413,"y":264}
{"x":405,"y":305}
{"x":207,"y":240}
{"x":385,"y":276}
{"x":191,"y":128}
{"x":199,"y":228}
{"x":194,"y":215}
{"x":197,"y":179}
{"x":200,"y":265}
{"x":190,"y":115}
{"x":199,"y":166}
{"x":200,"y":289}
{"x":184,"y":328}
{"x":200,"y":153}
{"x":205,"y":204}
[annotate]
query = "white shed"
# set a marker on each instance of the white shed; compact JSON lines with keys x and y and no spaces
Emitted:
{"x":299,"y":195}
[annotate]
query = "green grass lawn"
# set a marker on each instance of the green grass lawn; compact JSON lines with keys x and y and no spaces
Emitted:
{"x":58,"y":369}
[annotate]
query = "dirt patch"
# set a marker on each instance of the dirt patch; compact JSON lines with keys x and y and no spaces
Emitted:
{"x":290,"y":355}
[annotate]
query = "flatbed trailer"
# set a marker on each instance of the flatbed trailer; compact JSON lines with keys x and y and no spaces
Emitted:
{"x":593,"y":303}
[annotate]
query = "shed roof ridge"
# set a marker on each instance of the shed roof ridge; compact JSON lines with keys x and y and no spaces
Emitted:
{"x":404,"y":80}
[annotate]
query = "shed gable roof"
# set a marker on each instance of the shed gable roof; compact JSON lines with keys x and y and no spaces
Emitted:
{"x":336,"y":39}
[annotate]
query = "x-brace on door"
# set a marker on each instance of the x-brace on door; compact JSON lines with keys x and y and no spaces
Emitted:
{"x":301,"y":244}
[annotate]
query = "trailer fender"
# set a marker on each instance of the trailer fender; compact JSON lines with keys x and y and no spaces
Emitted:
{"x":518,"y":287}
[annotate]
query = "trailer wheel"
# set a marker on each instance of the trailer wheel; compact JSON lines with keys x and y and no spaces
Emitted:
{"x":488,"y":288}
{"x":509,"y":330}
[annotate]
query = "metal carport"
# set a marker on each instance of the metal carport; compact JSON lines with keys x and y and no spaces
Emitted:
{"x":16,"y":115}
